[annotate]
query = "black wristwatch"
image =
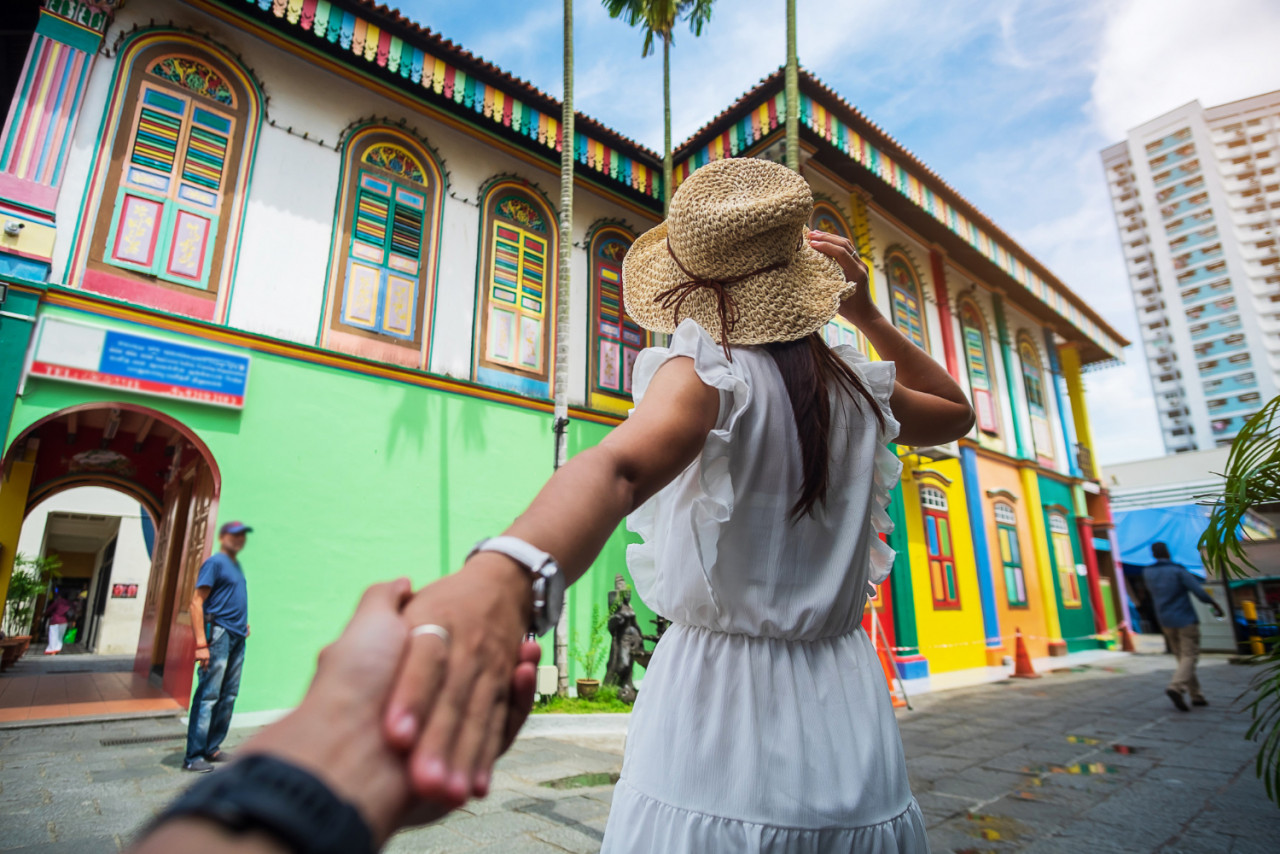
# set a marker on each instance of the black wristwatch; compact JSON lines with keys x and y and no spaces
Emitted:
{"x":263,"y":793}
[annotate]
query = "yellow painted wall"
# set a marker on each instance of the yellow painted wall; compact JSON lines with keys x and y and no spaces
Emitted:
{"x":996,"y":475}
{"x":13,"y":509}
{"x":951,"y":639}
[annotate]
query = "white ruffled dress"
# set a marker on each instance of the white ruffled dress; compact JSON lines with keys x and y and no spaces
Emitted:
{"x":764,"y":723}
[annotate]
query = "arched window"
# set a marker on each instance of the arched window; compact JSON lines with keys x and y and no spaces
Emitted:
{"x":1015,"y":581}
{"x":978,"y":360}
{"x":182,"y":126}
{"x":1033,"y":386}
{"x":383,"y":270}
{"x":615,"y":338}
{"x":517,"y":296}
{"x":905,"y":296}
{"x":826,"y":217}
{"x":942,"y":563}
{"x":1064,"y":560}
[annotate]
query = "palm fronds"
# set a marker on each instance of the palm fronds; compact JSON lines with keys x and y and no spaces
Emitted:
{"x":1252,"y":480}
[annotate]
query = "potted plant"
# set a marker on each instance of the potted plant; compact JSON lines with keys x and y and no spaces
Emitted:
{"x":589,"y":657}
{"x":30,"y":578}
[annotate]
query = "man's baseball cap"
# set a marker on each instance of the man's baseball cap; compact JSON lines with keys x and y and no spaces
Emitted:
{"x":234,"y":528}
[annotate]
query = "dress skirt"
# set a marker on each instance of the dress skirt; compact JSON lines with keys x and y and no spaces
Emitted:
{"x":755,"y":744}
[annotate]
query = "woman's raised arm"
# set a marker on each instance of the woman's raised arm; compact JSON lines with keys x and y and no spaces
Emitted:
{"x":928,"y":404}
{"x":449,"y":706}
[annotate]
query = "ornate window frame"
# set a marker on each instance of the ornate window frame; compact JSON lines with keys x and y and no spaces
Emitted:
{"x":161,"y":219}
{"x":976,"y":344}
{"x":1064,"y":558}
{"x":1010,"y":548}
{"x":384,"y":254}
{"x":1036,"y":390}
{"x":614,"y":339}
{"x":906,"y":296}
{"x":518,"y":227}
{"x":935,"y":519}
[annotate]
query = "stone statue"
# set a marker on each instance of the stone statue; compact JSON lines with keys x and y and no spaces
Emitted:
{"x":627,"y":644}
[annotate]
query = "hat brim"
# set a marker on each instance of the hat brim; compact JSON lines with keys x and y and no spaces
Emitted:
{"x":779,"y":305}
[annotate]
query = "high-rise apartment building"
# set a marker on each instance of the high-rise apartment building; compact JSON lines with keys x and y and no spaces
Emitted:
{"x":1196,"y":194}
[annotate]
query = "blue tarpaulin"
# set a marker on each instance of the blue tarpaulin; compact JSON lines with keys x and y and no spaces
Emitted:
{"x":1178,"y":527}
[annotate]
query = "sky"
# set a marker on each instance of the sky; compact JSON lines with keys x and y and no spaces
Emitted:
{"x":1009,"y":101}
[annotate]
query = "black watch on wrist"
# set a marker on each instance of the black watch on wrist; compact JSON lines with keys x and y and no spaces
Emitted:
{"x":264,"y":793}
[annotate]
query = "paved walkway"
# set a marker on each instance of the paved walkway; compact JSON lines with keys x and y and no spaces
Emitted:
{"x":40,"y":687}
{"x":1092,"y":759}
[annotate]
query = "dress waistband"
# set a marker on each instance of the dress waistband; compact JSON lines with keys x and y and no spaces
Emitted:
{"x":776,"y":638}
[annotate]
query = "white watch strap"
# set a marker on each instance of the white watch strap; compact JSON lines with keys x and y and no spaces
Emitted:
{"x":517,"y":549}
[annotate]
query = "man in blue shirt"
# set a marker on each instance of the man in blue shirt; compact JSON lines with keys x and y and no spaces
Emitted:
{"x":220,"y":619}
{"x":1170,"y":585}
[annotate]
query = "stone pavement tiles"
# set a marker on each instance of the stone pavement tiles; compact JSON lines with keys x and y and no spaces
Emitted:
{"x":1013,"y":766}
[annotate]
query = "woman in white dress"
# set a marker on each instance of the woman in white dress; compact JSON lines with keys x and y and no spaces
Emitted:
{"x":755,"y":469}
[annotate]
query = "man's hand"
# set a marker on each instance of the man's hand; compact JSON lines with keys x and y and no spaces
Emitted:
{"x":1217,"y":610}
{"x":202,"y":656}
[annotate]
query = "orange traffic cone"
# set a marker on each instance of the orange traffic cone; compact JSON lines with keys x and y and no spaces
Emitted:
{"x":1126,"y":640}
{"x":886,"y":662}
{"x":1022,"y":668}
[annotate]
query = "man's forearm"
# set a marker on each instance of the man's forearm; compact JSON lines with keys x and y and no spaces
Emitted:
{"x":197,"y":622}
{"x":204,"y":836}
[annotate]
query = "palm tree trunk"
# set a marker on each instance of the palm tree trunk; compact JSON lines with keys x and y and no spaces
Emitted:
{"x":793,"y":91}
{"x":561,"y":376}
{"x":667,"y":166}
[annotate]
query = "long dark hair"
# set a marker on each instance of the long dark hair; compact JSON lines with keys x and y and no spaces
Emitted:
{"x":810,"y":371}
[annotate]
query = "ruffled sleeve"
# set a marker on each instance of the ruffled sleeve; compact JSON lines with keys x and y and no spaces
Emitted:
{"x":713,"y":503}
{"x":879,"y":378}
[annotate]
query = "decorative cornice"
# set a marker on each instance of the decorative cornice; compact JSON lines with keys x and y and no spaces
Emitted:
{"x":439,"y":75}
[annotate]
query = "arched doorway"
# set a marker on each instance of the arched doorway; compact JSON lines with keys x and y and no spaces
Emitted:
{"x":161,"y":463}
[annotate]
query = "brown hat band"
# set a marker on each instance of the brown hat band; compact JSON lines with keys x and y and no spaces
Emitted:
{"x":674,"y":297}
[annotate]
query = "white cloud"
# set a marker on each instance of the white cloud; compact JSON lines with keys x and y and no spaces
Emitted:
{"x":1156,"y":55}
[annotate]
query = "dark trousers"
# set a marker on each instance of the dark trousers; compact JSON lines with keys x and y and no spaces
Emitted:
{"x":210,"y":713}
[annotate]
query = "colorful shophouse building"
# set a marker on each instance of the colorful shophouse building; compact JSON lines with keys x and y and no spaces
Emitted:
{"x":294,"y":262}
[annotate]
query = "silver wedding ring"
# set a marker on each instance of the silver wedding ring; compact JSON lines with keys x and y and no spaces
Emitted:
{"x":431,"y":629}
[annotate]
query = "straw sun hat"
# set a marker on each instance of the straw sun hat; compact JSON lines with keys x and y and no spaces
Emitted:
{"x":733,"y":255}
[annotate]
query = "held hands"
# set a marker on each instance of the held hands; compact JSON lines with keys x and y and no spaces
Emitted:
{"x":337,"y":730}
{"x":857,"y":307}
{"x":449,"y":708}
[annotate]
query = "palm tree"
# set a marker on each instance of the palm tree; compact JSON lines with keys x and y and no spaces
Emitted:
{"x":659,"y":18}
{"x":1252,"y":480}
{"x":792,"y":84}
{"x":561,"y":370}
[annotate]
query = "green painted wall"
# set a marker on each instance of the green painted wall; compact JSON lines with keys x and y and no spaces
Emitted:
{"x":348,"y":480}
{"x":1077,"y":623}
{"x":15,"y":334}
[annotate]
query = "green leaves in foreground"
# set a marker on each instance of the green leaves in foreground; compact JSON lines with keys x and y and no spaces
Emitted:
{"x":1252,"y":480}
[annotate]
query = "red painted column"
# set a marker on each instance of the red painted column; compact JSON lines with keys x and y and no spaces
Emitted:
{"x":1085,"y":525}
{"x":944,"y":313}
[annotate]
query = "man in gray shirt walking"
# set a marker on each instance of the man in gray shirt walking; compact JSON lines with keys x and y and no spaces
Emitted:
{"x":1170,"y":586}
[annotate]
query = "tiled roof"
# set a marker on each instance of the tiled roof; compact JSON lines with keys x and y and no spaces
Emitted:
{"x":763,"y":109}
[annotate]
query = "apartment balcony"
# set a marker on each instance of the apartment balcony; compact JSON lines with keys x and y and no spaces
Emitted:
{"x":1180,"y":190}
{"x":1243,"y":382}
{"x":1217,"y":308}
{"x":1194,"y":239}
{"x":1168,"y":142}
{"x":1221,"y":347}
{"x":1178,"y":173}
{"x":1250,"y":250}
{"x":1168,"y":212}
{"x":1203,"y":274}
{"x":1263,"y":268}
{"x":1204,"y":330}
{"x":1245,"y":220}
